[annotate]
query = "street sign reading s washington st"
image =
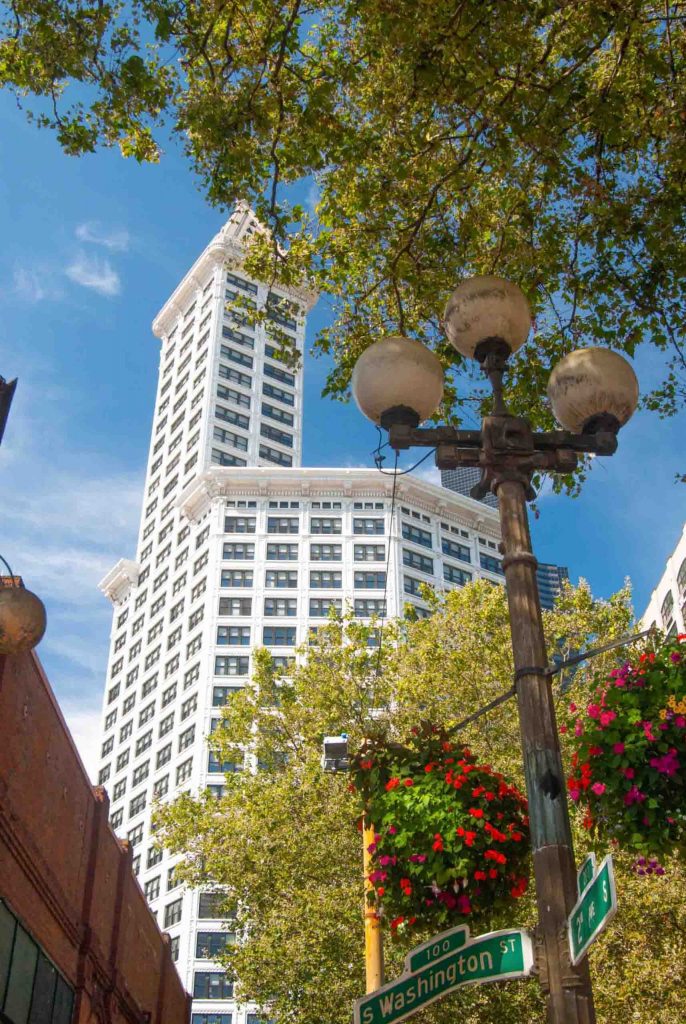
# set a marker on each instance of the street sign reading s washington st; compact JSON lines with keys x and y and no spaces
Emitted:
{"x":444,"y":964}
{"x":595,"y":908}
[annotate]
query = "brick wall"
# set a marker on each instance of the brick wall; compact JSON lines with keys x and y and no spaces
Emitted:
{"x":64,"y":873}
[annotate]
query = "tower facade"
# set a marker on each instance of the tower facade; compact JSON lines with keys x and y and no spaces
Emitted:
{"x":239,"y":547}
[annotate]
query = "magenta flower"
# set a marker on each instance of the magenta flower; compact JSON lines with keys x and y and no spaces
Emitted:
{"x":463,"y":904}
{"x":680,"y":722}
{"x":417,"y":858}
{"x":593,"y":711}
{"x":634,"y":796}
{"x":606,"y":717}
{"x":392,"y":830}
{"x":629,"y":773}
{"x":648,"y":730}
{"x":675,"y":657}
{"x":598,"y":788}
{"x":574,"y":794}
{"x":578,"y":728}
{"x":667,"y":764}
{"x":618,"y":748}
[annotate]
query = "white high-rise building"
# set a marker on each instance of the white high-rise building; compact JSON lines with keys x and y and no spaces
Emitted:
{"x":239,"y":546}
{"x":667,"y":606}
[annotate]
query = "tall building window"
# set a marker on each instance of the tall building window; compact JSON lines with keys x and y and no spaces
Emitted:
{"x":367,"y":526}
{"x":239,"y":524}
{"x":231,"y":666}
{"x":287,"y":606}
{"x":280,"y":579}
{"x":452,"y":574}
{"x":287,"y":524}
{"x":282,"y":553}
{"x":417,"y":535}
{"x":491,"y":564}
{"x":211,"y":985}
{"x":455,"y":550}
{"x":233,"y":636}
{"x":172,"y":913}
{"x":326,"y":552}
{"x":238,"y":552}
{"x":278,"y":636}
{"x":320,"y":606}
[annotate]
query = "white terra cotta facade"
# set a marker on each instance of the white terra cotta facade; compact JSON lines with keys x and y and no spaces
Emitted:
{"x":667,"y":606}
{"x":240,"y":546}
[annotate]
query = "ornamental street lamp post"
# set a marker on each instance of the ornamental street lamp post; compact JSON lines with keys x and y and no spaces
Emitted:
{"x":398,"y":383}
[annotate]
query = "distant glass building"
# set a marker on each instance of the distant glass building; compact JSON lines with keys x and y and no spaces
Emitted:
{"x":463,"y":479}
{"x":550,"y":577}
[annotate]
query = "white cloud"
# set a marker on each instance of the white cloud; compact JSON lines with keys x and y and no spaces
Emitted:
{"x":95,"y":273}
{"x":115,"y":239}
{"x":84,"y":726}
{"x":31,"y":285}
{"x":428,"y":472}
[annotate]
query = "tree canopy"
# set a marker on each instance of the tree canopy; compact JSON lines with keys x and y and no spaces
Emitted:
{"x":282,"y":844}
{"x":539,"y":141}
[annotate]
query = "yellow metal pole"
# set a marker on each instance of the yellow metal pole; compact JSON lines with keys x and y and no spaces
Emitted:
{"x":373,"y":938}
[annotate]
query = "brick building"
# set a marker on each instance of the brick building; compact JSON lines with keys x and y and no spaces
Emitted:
{"x":78,"y":944}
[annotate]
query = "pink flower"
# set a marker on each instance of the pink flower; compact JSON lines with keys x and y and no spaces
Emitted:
{"x":392,"y":830}
{"x":618,"y":748}
{"x":598,"y":788}
{"x":417,"y":858}
{"x":463,"y":904}
{"x":607,"y":716}
{"x":668,"y":764}
{"x":629,"y":773}
{"x":634,"y":796}
{"x":578,"y":728}
{"x":680,"y":722}
{"x":572,"y":708}
{"x":648,"y":730}
{"x":575,"y":794}
{"x":675,"y":657}
{"x":593,"y":710}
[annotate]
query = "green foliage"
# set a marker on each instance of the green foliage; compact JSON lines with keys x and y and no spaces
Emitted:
{"x":451,"y":836}
{"x":283,"y":847}
{"x":539,"y":141}
{"x":628,"y":742}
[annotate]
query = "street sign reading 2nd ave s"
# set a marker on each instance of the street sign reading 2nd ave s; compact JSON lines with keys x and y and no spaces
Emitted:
{"x":444,"y":964}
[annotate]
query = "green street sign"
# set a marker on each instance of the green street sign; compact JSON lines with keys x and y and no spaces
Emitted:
{"x":496,"y":956}
{"x":594,"y":909}
{"x":436,"y":948}
{"x":585,"y":874}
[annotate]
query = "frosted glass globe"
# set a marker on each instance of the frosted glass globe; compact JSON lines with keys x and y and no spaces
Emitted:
{"x":395,"y":373}
{"x":486,"y":307}
{"x":593,"y":388}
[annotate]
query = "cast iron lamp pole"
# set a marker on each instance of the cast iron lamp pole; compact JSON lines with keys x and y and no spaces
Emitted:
{"x":398,"y":383}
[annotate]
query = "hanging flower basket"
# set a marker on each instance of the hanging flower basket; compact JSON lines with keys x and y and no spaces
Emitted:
{"x":451,"y":835}
{"x":629,"y":758}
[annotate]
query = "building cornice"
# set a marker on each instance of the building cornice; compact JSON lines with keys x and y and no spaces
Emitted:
{"x":119,"y":580}
{"x":221,"y":482}
{"x":224,"y":249}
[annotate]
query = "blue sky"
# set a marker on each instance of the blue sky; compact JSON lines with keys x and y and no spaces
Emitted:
{"x":91,"y":248}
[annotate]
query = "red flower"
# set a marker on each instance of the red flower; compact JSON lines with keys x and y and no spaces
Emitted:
{"x":447,"y":746}
{"x":469,"y":838}
{"x":408,"y":782}
{"x":429,"y":767}
{"x":396,"y":921}
{"x":495,"y":855}
{"x":380,"y":891}
{"x":391,"y":784}
{"x":366,"y":765}
{"x":519,"y":888}
{"x":476,"y":812}
{"x":480,"y":876}
{"x":493,"y":873}
{"x":478,"y":791}
{"x":438,"y":844}
{"x":489,"y":796}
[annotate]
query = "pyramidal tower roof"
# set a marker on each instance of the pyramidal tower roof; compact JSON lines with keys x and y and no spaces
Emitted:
{"x":227,"y":247}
